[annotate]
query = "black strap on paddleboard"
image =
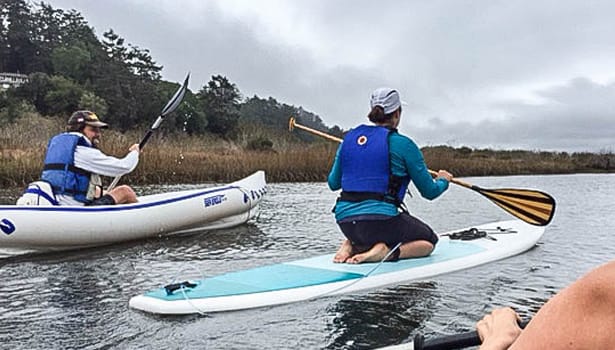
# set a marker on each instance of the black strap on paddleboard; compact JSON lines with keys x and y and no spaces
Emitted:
{"x":175,"y":286}
{"x":474,"y":233}
{"x":470,"y":234}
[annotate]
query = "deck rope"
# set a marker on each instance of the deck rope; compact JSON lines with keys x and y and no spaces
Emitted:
{"x":182,"y":287}
{"x":362,"y":277}
{"x":187,"y":299}
{"x":201,"y":312}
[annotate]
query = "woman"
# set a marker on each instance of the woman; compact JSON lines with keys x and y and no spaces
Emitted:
{"x":373,"y":167}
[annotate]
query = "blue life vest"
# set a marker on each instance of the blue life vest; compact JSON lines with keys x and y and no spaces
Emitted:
{"x":366,"y":167}
{"x":60,"y":170}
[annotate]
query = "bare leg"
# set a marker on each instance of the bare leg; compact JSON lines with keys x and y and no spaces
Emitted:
{"x":343,"y":253}
{"x":415,"y":249}
{"x":123,"y":194}
{"x":374,"y":254}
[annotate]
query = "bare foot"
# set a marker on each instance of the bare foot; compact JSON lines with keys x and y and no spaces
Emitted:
{"x":343,"y":253}
{"x":376,"y":253}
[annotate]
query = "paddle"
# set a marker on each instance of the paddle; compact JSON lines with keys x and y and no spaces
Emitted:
{"x":171,"y":106}
{"x":534,"y":207}
{"x":447,"y":342}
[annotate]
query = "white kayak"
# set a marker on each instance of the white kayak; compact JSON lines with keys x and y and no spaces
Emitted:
{"x":34,"y":229}
{"x":319,"y":276}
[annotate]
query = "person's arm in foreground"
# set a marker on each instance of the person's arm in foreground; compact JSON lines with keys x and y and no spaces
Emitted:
{"x":579,"y":317}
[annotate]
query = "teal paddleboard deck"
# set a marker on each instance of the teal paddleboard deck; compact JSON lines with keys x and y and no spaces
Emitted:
{"x":319,"y":276}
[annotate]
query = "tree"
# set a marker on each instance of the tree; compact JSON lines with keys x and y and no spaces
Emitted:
{"x":89,"y":101}
{"x":220,"y":103}
{"x":64,"y":98}
{"x":4,"y":48}
{"x":189,"y":117}
{"x":19,"y":49}
{"x":35,"y":91}
{"x":139,"y":61}
{"x":71,"y":61}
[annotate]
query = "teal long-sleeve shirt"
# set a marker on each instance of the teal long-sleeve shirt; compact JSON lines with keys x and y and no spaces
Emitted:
{"x":406,"y":160}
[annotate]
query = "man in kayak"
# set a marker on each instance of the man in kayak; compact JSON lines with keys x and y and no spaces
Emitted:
{"x":73,"y":164}
{"x":373,"y":167}
{"x":579,"y":317}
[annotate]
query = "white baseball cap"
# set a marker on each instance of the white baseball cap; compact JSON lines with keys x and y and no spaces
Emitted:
{"x":386,"y":98}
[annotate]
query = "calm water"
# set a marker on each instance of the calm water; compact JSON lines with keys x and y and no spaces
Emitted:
{"x":80,"y":299}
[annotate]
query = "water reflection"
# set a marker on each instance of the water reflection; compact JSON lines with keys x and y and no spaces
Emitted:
{"x":393,"y":315}
{"x":79,"y":299}
{"x":219,"y":244}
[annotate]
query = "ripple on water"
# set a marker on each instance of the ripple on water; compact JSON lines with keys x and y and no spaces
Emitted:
{"x":79,"y":299}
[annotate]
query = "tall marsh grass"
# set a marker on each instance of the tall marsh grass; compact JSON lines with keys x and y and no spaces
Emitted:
{"x":181,"y":158}
{"x":168,"y":158}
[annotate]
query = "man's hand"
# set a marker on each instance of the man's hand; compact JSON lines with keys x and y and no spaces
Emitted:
{"x":499,"y":329}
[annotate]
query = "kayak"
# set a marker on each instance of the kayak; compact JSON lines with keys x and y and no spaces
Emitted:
{"x":35,"y":229}
{"x":318,"y":276}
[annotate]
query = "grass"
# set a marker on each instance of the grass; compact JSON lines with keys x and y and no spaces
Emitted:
{"x":181,"y":158}
{"x":167,"y":158}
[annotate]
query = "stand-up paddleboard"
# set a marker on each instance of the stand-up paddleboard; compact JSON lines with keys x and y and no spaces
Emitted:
{"x":318,"y":276}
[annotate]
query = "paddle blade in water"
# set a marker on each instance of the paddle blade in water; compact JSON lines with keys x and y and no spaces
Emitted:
{"x":533,"y":207}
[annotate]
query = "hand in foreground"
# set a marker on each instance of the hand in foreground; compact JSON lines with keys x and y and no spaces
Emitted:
{"x":499,"y":329}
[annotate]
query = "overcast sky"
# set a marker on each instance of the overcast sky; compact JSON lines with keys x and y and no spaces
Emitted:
{"x":537,"y":75}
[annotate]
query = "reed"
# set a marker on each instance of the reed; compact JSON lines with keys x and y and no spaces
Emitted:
{"x":169,"y":158}
{"x":172,"y":158}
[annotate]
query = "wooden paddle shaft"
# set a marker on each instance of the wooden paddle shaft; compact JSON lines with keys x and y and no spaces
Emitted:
{"x":293,"y":124}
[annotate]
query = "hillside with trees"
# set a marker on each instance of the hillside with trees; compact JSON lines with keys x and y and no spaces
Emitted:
{"x":69,"y":68}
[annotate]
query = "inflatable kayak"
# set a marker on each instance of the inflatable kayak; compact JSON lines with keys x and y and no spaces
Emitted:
{"x":34,"y":229}
{"x":318,"y":276}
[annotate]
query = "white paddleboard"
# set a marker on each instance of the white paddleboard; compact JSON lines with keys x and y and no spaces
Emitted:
{"x":318,"y":276}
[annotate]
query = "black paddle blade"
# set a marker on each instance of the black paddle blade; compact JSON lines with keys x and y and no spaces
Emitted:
{"x":534,"y":207}
{"x":177,"y":98}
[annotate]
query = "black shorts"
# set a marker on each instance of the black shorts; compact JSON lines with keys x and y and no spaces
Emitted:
{"x":390,"y":230}
{"x":104,"y":200}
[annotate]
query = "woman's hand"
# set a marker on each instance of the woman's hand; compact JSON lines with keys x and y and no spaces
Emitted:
{"x":445,"y":175}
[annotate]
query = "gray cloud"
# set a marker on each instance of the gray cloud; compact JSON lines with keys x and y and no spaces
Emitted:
{"x":576,"y":116}
{"x":500,"y":74}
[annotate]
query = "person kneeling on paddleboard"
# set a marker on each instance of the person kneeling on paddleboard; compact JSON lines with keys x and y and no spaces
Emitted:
{"x":373,"y":167}
{"x":73,"y":164}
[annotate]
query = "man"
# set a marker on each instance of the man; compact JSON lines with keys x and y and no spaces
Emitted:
{"x":578,"y":317}
{"x":73,"y":165}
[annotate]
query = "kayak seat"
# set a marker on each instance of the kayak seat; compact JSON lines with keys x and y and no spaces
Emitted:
{"x":38,"y":193}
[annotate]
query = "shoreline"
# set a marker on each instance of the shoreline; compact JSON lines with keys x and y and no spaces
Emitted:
{"x":310,"y":163}
{"x":172,"y":158}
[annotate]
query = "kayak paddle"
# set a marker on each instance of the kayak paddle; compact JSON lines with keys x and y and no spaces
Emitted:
{"x":534,"y":207}
{"x":171,"y":106}
{"x":447,"y":342}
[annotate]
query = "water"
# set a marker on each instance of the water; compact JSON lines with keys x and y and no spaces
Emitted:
{"x":79,"y":299}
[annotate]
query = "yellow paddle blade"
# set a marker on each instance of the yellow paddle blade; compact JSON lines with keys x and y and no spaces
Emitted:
{"x":534,"y":207}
